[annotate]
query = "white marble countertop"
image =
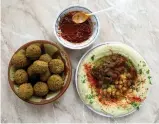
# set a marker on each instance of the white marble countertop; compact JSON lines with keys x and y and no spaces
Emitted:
{"x":134,"y":22}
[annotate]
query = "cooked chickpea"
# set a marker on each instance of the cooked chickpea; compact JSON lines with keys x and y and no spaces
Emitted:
{"x":120,"y":82}
{"x":125,"y":81}
{"x":119,"y":86}
{"x":109,"y":90}
{"x":129,"y":83}
{"x":112,"y":86}
{"x":128,"y":76}
{"x":114,"y":89}
{"x":117,"y":93}
{"x":130,"y":90}
{"x":125,"y":85}
{"x":124,"y":88}
{"x":116,"y":82}
{"x":104,"y":91}
{"x":123,"y":76}
{"x":113,"y":93}
{"x":116,"y":86}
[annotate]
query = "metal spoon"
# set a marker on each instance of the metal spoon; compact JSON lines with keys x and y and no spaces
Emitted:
{"x":81,"y":17}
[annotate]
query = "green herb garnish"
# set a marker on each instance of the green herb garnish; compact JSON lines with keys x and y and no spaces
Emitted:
{"x":129,"y":63}
{"x":90,"y":96}
{"x":138,"y":108}
{"x":149,"y":77}
{"x":140,"y":71}
{"x":83,"y":81}
{"x":144,"y":64}
{"x":91,"y":102}
{"x":135,"y":105}
{"x":148,"y":71}
{"x":137,"y":89}
{"x":92,"y":57}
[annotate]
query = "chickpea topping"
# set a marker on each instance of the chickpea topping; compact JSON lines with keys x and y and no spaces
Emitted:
{"x":130,"y":90}
{"x":124,"y":88}
{"x":123,"y":76}
{"x":104,"y":91}
{"x":120,"y":82}
{"x":129,"y":75}
{"x":113,"y":92}
{"x":129,"y":83}
{"x":117,"y":93}
{"x":112,"y":86}
{"x":109,"y":90}
{"x":125,"y":85}
{"x":116,"y":82}
{"x":125,"y":81}
{"x":119,"y":86}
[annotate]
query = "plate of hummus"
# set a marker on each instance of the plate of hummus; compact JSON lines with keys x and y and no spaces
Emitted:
{"x":113,"y":79}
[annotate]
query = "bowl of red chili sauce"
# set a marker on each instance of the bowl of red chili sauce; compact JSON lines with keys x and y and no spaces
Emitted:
{"x":72,"y":35}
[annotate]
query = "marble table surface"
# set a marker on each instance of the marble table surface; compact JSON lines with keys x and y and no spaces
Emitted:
{"x":134,"y":22}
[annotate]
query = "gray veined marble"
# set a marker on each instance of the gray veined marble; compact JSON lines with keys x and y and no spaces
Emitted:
{"x":134,"y":22}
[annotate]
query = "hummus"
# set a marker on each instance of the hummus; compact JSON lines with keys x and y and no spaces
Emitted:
{"x":88,"y":94}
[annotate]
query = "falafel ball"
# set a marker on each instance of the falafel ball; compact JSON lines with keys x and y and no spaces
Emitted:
{"x":22,"y":51}
{"x":25,"y":91}
{"x":55,"y":82}
{"x":56,"y":66}
{"x":45,"y":76}
{"x":30,"y":70}
{"x":19,"y":60}
{"x":33,"y":52}
{"x":45,"y":58}
{"x":40,"y":67}
{"x":20,"y":76}
{"x":40,"y":89}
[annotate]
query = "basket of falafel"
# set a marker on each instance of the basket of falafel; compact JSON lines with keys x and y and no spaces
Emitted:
{"x":39,"y":72}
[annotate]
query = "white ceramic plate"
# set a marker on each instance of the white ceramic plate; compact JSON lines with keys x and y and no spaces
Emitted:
{"x":105,"y":49}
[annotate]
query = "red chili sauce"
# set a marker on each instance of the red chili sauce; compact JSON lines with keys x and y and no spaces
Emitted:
{"x":91,"y":79}
{"x":72,"y":32}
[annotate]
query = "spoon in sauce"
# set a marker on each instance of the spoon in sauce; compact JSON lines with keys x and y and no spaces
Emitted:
{"x":81,"y":17}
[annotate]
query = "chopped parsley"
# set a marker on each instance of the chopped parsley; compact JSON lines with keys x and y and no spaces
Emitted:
{"x":149,"y":77}
{"x":137,"y":89}
{"x":135,"y":105}
{"x":129,"y":63}
{"x":140,"y":71}
{"x":148,"y":71}
{"x":92,"y":57}
{"x":91,"y":102}
{"x":144,"y":64}
{"x":137,"y":108}
{"x":90,"y":96}
{"x":83,"y":81}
